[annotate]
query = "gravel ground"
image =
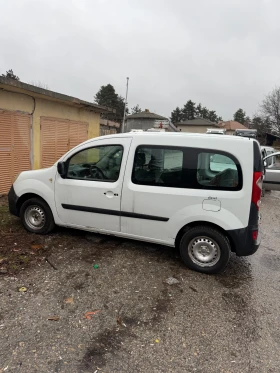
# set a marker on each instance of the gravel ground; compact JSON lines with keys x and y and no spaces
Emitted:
{"x":227,"y":323}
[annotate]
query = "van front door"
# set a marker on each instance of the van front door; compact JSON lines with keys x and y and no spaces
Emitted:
{"x":89,"y":195}
{"x":272,"y":172}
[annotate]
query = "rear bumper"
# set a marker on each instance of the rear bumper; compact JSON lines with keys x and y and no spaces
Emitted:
{"x":12,"y":199}
{"x":243,"y":242}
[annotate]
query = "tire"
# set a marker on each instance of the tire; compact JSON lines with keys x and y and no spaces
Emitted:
{"x":205,"y":249}
{"x":36,"y":216}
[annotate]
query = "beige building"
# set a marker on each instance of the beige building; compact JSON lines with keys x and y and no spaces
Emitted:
{"x":38,"y":126}
{"x":197,"y":125}
{"x":200,"y":125}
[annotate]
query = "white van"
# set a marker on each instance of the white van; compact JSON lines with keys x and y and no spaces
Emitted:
{"x":192,"y":191}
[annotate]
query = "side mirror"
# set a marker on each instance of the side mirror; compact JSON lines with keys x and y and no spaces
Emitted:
{"x":61,"y":169}
{"x":265,"y":163}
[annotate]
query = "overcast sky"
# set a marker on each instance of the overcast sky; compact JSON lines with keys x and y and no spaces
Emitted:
{"x":222,"y":53}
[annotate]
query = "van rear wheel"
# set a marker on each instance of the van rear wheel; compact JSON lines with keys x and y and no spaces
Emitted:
{"x":205,"y":249}
{"x":36,"y":216}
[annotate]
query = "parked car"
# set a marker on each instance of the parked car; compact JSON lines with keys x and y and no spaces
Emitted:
{"x":267,"y":150}
{"x":272,"y":171}
{"x":251,"y":133}
{"x":192,"y":191}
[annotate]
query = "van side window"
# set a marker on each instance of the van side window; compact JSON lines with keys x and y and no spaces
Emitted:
{"x":217,"y":170}
{"x":157,"y":165}
{"x":100,"y":163}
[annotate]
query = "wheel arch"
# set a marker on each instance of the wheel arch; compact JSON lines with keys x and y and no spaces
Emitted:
{"x":26,"y":197}
{"x":204,"y":223}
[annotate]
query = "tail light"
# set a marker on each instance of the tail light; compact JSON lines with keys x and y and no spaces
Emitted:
{"x":257,"y":188}
{"x":255,"y":235}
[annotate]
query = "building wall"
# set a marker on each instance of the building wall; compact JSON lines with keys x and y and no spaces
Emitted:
{"x":139,"y":124}
{"x":39,"y":107}
{"x":107,"y":130}
{"x":194,"y":129}
{"x":145,"y":124}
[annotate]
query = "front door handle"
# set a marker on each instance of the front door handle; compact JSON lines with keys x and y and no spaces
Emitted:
{"x":110,"y":194}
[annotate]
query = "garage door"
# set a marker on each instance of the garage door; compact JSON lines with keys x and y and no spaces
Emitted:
{"x":14,"y":147}
{"x":58,"y":136}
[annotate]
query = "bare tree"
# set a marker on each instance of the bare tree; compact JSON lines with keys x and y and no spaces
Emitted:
{"x":270,"y":109}
{"x":39,"y":84}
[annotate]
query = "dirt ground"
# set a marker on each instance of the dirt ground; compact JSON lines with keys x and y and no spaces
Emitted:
{"x":77,"y":302}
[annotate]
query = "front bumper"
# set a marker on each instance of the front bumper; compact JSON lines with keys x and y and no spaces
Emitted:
{"x":12,"y":199}
{"x":243,"y":242}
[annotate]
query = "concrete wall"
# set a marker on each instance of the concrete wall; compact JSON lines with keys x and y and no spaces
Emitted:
{"x":39,"y":107}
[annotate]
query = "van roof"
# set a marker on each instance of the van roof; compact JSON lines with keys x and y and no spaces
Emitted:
{"x":174,"y":134}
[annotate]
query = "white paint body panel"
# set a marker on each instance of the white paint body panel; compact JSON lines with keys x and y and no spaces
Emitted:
{"x":180,"y":206}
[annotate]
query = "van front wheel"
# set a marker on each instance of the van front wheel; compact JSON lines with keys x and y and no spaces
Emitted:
{"x":205,"y":249}
{"x":36,"y":216}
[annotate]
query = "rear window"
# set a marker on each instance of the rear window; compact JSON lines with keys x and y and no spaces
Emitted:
{"x":215,"y":170}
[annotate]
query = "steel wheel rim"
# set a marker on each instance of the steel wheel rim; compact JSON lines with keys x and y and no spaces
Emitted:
{"x":35,"y":217}
{"x":204,"y":251}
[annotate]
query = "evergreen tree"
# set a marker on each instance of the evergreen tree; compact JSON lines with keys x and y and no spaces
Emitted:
{"x":189,"y":110}
{"x":176,"y":115}
{"x":213,"y":116}
{"x":136,"y":109}
{"x":10,"y":74}
{"x":107,"y":96}
{"x":205,"y":113}
{"x":199,"y":110}
{"x":240,"y":116}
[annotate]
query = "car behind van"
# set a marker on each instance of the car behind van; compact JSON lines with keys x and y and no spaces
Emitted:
{"x":192,"y":191}
{"x":250,"y":133}
{"x":271,"y":159}
{"x":267,"y":150}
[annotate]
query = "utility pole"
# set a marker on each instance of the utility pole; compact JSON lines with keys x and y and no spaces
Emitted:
{"x":124,"y":113}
